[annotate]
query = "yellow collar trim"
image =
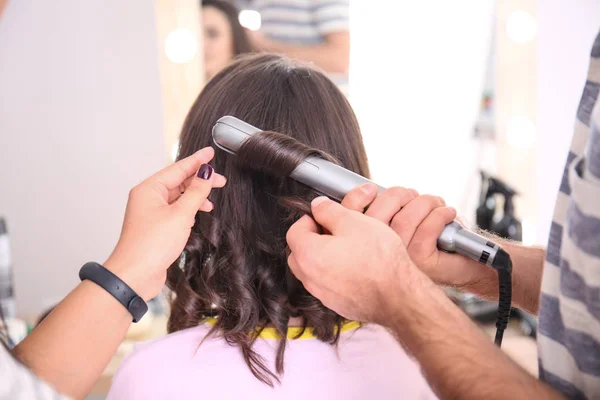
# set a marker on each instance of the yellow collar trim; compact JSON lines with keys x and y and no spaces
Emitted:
{"x":294,"y":332}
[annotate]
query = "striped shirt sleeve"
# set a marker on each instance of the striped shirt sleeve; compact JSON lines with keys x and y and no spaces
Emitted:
{"x":569,"y":328}
{"x":332,"y":16}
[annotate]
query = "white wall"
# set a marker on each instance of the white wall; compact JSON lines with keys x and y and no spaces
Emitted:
{"x":566,"y":33}
{"x":416,"y":79}
{"x":80,"y":123}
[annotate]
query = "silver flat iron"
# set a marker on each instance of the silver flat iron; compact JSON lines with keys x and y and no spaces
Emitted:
{"x":335,"y":182}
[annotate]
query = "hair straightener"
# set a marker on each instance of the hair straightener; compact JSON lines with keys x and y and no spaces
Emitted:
{"x":334,"y":181}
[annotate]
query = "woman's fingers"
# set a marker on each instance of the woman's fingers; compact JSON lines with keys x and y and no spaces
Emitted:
{"x":218,"y":182}
{"x":172,"y":181}
{"x":207,"y":206}
{"x":195,"y":196}
{"x":175,"y":174}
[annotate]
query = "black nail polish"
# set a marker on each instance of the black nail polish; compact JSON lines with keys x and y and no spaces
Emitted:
{"x":205,"y":172}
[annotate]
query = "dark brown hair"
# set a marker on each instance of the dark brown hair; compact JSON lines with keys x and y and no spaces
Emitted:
{"x":241,"y":43}
{"x":235,"y":264}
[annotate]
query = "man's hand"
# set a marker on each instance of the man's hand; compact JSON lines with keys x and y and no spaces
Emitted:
{"x":362,"y":270}
{"x":356,"y":269}
{"x":419,"y":220}
{"x":158,"y":220}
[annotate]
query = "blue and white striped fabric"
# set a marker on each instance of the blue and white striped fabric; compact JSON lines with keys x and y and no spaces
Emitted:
{"x":303,"y":22}
{"x":569,"y":331}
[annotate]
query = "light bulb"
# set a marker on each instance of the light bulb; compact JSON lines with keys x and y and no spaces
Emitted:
{"x":181,"y":46}
{"x":520,"y":132}
{"x":250,"y":19}
{"x":521,"y":26}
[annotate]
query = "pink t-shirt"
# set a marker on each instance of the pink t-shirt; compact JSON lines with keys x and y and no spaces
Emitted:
{"x":369,"y":364}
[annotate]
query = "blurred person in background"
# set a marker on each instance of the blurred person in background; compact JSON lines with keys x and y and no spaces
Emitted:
{"x":224,"y":37}
{"x":316,"y":31}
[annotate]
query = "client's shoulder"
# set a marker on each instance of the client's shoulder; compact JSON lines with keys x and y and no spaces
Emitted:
{"x":180,"y":343}
{"x":152,"y":363}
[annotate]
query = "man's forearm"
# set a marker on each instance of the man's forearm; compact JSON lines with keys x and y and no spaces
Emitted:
{"x":528,"y":267}
{"x":74,"y":344}
{"x":330,"y":57}
{"x":457,"y":359}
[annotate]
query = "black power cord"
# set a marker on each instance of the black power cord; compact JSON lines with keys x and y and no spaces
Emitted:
{"x":503,"y":265}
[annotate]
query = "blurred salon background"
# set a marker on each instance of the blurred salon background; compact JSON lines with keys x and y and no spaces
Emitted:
{"x":472,"y":100}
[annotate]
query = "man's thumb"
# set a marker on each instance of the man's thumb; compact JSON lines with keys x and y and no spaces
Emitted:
{"x":329,"y":214}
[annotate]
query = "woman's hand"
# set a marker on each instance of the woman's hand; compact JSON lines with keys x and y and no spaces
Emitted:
{"x":158,"y":220}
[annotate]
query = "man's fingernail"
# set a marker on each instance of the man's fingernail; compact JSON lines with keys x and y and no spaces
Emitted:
{"x":318,"y":200}
{"x":369,"y":189}
{"x":205,"y":172}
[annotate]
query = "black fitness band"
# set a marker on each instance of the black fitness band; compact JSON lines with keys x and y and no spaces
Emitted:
{"x":116,"y":287}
